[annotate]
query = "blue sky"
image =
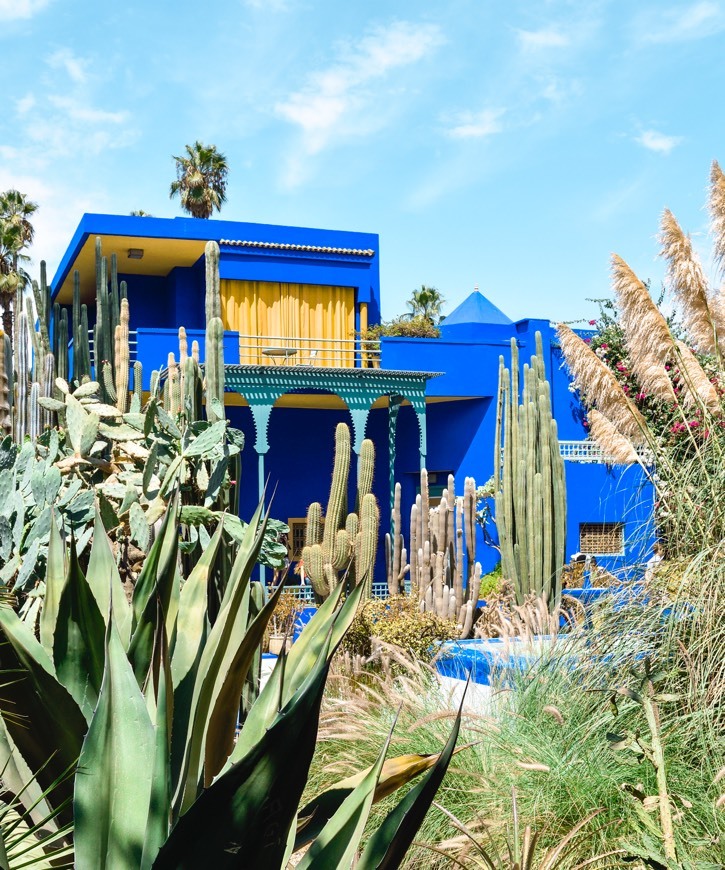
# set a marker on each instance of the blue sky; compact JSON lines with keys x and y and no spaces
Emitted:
{"x":512,"y":145}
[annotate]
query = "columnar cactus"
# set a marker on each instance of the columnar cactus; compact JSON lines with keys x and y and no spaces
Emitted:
{"x":346,"y":542}
{"x":122,"y":361}
{"x":530,"y":485}
{"x":214,"y":368}
{"x":5,"y":421}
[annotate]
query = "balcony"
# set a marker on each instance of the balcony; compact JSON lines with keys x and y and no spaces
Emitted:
{"x":340,"y":353}
{"x":152,"y":347}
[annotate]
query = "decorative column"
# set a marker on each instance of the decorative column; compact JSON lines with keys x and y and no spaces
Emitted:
{"x":394,"y":403}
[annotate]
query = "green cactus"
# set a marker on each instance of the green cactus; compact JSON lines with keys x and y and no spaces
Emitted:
{"x":530,"y":486}
{"x":5,"y":420}
{"x":213,"y":302}
{"x":122,"y":358}
{"x":214,"y":370}
{"x":346,"y":542}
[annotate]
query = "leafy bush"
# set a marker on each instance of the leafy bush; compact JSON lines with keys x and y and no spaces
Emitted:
{"x":397,"y":621}
{"x":402,"y":327}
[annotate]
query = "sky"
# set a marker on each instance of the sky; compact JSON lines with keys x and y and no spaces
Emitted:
{"x":506,"y":145}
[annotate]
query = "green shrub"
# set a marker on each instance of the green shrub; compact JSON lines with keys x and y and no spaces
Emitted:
{"x":397,"y":621}
{"x":402,"y":327}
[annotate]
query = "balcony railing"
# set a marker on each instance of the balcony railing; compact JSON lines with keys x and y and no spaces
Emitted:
{"x":590,"y":451}
{"x":324,"y":352}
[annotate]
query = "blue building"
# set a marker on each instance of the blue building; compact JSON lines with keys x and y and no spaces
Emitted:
{"x":294,"y":302}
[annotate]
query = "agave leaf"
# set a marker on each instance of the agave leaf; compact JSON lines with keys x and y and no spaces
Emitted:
{"x":35,"y":696}
{"x":159,"y":562}
{"x":235,"y":823}
{"x":54,"y":582}
{"x":190,"y":629}
{"x":386,"y":848}
{"x":105,"y":582}
{"x":225,"y":710}
{"x":115,"y":770}
{"x":396,"y":772}
{"x":338,"y":841}
{"x":297,"y":665}
{"x":225,"y":638}
{"x":159,"y":812}
{"x":78,"y":642}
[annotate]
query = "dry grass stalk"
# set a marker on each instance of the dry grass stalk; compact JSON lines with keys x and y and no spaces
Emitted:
{"x":599,"y":386}
{"x":696,"y":386}
{"x":615,"y":446}
{"x":648,"y":337}
{"x":702,"y":316}
{"x":717,"y":213}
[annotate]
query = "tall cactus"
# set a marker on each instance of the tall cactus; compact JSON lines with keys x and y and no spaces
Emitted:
{"x":5,"y":420}
{"x":530,"y":485}
{"x":214,"y":368}
{"x":346,"y":542}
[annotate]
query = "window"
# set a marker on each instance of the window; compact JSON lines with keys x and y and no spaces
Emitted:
{"x":297,"y":533}
{"x":601,"y":539}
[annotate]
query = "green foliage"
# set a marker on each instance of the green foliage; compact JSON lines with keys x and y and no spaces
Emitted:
{"x":398,"y":621}
{"x":130,"y":463}
{"x":201,"y":180}
{"x":492,"y":582}
{"x":402,"y":327}
{"x":175,"y":789}
{"x":426,"y":304}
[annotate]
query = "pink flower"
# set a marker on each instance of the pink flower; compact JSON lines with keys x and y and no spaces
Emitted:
{"x":641,"y":396}
{"x":592,"y":323}
{"x":604,"y":346}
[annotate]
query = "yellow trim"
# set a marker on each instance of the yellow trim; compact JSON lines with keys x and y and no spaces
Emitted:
{"x":159,"y":258}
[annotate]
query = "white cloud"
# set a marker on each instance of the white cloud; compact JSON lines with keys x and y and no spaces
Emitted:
{"x":477,"y":125}
{"x":24,"y":104}
{"x":549,"y":37}
{"x":659,"y":142}
{"x":74,"y":66}
{"x":12,"y":10}
{"x":341,"y":101}
{"x":676,"y":24}
{"x":86,"y":114}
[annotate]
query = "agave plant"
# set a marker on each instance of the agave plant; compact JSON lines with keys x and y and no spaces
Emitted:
{"x":175,"y":762}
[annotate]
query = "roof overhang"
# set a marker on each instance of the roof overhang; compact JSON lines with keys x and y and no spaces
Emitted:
{"x":170,"y":242}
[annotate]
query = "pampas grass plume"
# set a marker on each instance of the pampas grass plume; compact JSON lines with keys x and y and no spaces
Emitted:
{"x":701,"y":315}
{"x":695,"y":383}
{"x":614,"y":445}
{"x":647,"y":335}
{"x":717,"y":213}
{"x":600,"y":387}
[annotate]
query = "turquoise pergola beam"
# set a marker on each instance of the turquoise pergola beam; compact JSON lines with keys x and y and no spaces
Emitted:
{"x":359,"y":389}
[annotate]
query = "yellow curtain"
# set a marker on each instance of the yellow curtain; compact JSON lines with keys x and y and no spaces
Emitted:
{"x":311,"y":323}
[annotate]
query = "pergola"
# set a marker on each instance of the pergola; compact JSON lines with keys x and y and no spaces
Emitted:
{"x":359,"y":388}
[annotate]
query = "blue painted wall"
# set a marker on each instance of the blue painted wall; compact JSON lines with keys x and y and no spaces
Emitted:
{"x":460,"y":417}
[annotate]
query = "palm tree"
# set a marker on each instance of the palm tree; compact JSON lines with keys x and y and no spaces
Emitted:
{"x":139,"y":212}
{"x":426,"y":302}
{"x":201,"y":180}
{"x":16,"y":234}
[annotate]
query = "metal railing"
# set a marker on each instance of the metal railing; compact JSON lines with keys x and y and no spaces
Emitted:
{"x":590,"y":451}
{"x":296,"y":351}
{"x":306,"y":593}
{"x":132,"y":345}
